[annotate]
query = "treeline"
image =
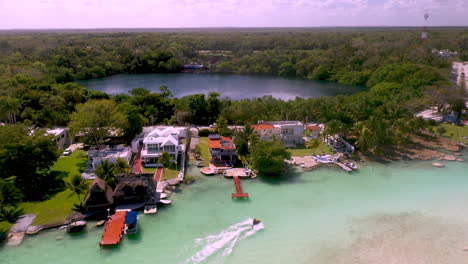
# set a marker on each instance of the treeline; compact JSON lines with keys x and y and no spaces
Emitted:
{"x":345,"y":56}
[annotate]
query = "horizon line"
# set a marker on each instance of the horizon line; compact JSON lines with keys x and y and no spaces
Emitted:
{"x":235,"y":27}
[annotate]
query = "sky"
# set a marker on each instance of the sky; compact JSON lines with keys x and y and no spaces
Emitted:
{"x":32,"y":14}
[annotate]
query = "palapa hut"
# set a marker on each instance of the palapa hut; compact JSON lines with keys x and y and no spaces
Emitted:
{"x":98,"y":199}
{"x":133,"y":189}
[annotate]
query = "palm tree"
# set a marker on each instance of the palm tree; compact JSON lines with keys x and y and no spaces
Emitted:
{"x":364,"y":136}
{"x":9,"y":107}
{"x":105,"y":171}
{"x":313,"y":143}
{"x":77,"y":185}
{"x":121,"y":166}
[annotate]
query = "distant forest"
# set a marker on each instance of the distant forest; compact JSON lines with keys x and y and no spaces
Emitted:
{"x":37,"y":71}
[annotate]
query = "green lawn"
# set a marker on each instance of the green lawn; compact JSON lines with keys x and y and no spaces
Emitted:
{"x":148,"y":170}
{"x":456,"y":133}
{"x":167,"y":174}
{"x":60,"y":206}
{"x":205,"y":153}
{"x":301,"y":150}
{"x":170,"y":174}
{"x":5,"y":226}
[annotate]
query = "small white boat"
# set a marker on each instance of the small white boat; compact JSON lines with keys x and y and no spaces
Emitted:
{"x":76,"y":226}
{"x":351,"y":165}
{"x":163,"y":195}
{"x":151,"y":209}
{"x":165,"y":201}
{"x":324,"y":158}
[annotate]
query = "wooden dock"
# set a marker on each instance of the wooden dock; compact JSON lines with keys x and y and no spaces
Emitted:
{"x":239,"y":193}
{"x":344,"y":167}
{"x":113,"y":230}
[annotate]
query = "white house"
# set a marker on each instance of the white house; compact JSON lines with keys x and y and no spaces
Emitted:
{"x":156,"y":140}
{"x":96,"y":156}
{"x":61,"y":136}
{"x":289,"y":132}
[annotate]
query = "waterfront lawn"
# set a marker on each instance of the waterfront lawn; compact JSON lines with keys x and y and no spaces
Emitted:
{"x":301,"y":150}
{"x":170,"y":174}
{"x":205,"y":153}
{"x":148,"y":170}
{"x":56,"y":209}
{"x":167,"y":175}
{"x":5,"y":226}
{"x":455,"y":133}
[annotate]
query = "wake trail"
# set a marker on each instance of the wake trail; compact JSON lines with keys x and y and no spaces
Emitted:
{"x":226,"y":239}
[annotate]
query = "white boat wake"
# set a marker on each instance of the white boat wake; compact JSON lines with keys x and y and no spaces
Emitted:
{"x":224,"y":241}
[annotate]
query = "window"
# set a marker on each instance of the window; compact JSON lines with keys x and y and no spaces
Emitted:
{"x":152,"y":148}
{"x":284,"y":131}
{"x":169,"y":148}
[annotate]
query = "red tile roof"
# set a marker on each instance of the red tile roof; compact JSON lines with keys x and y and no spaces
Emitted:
{"x":263,"y":126}
{"x":313,"y":128}
{"x":223,"y":143}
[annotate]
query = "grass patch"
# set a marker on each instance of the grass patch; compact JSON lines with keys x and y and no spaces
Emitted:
{"x":5,"y":226}
{"x":301,"y":150}
{"x":455,"y":133}
{"x":205,"y":153}
{"x":167,"y":174}
{"x":56,"y":209}
{"x":170,"y":174}
{"x":148,"y":170}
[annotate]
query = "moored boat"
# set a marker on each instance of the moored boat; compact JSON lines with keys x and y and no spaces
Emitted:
{"x":131,"y":222}
{"x":76,"y":226}
{"x":351,"y":165}
{"x":75,"y":223}
{"x":165,"y":201}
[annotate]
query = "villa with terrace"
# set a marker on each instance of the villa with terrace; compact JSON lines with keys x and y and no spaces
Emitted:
{"x":156,"y":140}
{"x":222,"y":150}
{"x":289,"y":132}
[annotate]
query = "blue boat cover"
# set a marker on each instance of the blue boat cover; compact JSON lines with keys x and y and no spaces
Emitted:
{"x":131,"y":217}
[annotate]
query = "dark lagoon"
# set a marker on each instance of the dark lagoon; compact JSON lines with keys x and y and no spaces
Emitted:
{"x":228,"y":85}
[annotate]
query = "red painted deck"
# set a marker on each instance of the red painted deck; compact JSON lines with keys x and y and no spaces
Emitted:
{"x":114,"y":228}
{"x":239,"y":192}
{"x":158,"y":173}
{"x":137,"y":163}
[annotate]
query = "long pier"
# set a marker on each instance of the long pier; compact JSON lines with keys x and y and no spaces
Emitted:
{"x":239,"y":193}
{"x":113,"y":230}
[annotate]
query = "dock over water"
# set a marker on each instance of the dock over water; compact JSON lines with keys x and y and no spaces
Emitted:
{"x":239,"y":193}
{"x":344,"y":167}
{"x":114,"y":229}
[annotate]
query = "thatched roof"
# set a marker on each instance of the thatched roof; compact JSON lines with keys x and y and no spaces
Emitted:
{"x":99,"y":192}
{"x":133,"y":188}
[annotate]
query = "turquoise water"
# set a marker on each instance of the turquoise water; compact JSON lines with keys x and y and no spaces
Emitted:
{"x":304,"y":215}
{"x":228,"y":85}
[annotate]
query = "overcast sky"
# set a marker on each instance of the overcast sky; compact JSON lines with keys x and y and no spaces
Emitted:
{"x":228,"y":13}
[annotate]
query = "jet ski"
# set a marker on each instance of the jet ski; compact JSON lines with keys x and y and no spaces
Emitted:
{"x":256,"y":221}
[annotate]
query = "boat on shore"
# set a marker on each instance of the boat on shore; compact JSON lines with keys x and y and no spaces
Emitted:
{"x":351,"y":165}
{"x":75,"y":223}
{"x":324,"y":158}
{"x":131,"y":222}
